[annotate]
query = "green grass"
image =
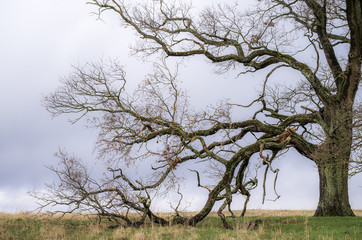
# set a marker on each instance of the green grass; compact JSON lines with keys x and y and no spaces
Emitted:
{"x":27,"y":226}
{"x":313,"y":227}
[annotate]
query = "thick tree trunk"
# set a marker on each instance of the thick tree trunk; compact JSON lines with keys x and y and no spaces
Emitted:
{"x":333,"y":190}
{"x":332,"y":159}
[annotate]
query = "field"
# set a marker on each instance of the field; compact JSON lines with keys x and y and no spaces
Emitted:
{"x":276,"y":225}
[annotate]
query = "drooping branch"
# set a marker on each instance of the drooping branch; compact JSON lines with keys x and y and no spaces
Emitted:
{"x":267,"y":161}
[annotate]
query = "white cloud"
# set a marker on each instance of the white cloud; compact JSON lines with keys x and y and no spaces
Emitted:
{"x":16,"y":201}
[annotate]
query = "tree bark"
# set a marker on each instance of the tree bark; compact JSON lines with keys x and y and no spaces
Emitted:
{"x":332,"y":159}
{"x":333,"y":190}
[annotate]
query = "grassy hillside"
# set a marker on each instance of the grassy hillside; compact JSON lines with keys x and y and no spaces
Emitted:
{"x":276,"y":225}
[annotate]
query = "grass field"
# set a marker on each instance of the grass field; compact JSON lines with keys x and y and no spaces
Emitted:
{"x":276,"y":225}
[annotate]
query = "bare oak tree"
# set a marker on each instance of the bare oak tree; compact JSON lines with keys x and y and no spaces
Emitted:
{"x":319,"y":39}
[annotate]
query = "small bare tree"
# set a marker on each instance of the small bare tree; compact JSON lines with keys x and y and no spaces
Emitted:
{"x":156,"y":124}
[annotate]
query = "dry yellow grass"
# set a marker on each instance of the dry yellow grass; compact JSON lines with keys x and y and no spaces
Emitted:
{"x":263,"y":213}
{"x":285,"y":213}
{"x":249,"y":213}
{"x":154,"y":233}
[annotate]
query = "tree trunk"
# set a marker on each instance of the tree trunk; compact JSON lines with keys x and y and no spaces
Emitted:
{"x":332,"y":159}
{"x":333,"y":190}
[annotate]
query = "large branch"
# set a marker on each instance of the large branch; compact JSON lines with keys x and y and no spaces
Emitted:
{"x":321,"y":26}
{"x":305,"y":21}
{"x":353,"y":70}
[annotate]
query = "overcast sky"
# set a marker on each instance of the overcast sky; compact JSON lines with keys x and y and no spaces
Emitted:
{"x":39,"y":41}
